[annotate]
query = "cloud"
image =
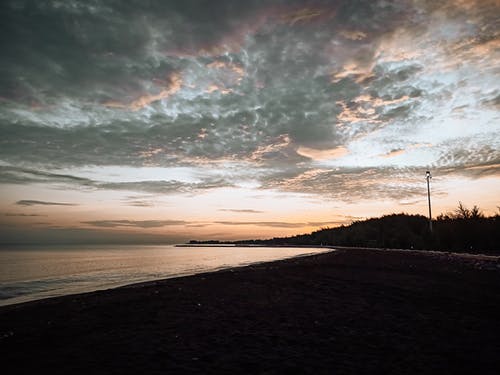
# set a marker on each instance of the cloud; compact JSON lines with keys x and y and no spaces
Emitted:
{"x":467,"y":157}
{"x":165,"y":187}
{"x":139,"y":203}
{"x":285,"y":90}
{"x":120,"y":94}
{"x":352,"y":71}
{"x":164,"y":223}
{"x":494,"y":102}
{"x":393,"y":153}
{"x":173,"y":84}
{"x":353,"y":34}
{"x":244,"y":211}
{"x":277,"y":224}
{"x":281,"y":149}
{"x":306,"y":15}
{"x":28,"y":202}
{"x":202,"y":225}
{"x":355,"y":184}
{"x":476,"y":171}
{"x":15,"y":175}
{"x":314,"y":154}
{"x":134,"y":223}
{"x":21,"y":215}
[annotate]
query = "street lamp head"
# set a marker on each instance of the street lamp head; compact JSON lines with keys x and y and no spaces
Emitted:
{"x":428,"y":174}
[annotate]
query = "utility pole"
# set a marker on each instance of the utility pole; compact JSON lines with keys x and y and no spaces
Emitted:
{"x":428,"y":178}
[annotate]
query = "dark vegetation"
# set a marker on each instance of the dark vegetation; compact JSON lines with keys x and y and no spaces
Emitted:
{"x":463,"y":230}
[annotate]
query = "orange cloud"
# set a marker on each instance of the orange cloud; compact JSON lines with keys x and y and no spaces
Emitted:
{"x":378,"y":102}
{"x":353,"y":34}
{"x":202,"y":134}
{"x":399,"y":151}
{"x":486,"y":49}
{"x":357,"y":114}
{"x":217,"y":64}
{"x":315,"y":154}
{"x":174,"y":84}
{"x":213,"y":87}
{"x":361,"y":74}
{"x":307,"y":15}
{"x":495,"y":168}
{"x":302,"y":15}
{"x":304,"y":177}
{"x":280,"y":144}
{"x":151,"y":152}
{"x":393,"y":153}
{"x":232,"y":74}
{"x":364,"y":108}
{"x":470,"y":4}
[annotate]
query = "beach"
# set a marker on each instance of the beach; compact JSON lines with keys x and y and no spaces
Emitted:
{"x":349,"y":311}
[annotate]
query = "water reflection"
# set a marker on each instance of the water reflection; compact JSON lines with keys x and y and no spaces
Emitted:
{"x":34,"y":273}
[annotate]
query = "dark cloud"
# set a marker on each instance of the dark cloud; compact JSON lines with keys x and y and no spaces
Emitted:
{"x":277,"y":224}
{"x":198,"y":225}
{"x":245,"y":211}
{"x":165,"y":187}
{"x":190,"y":83}
{"x":28,"y":202}
{"x":139,"y":203}
{"x":15,"y":175}
{"x":134,"y":223}
{"x":165,"y":223}
{"x":63,"y":63}
{"x":494,"y":102}
{"x":22,"y":215}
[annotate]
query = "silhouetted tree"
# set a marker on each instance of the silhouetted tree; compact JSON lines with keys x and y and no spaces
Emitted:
{"x":463,"y":230}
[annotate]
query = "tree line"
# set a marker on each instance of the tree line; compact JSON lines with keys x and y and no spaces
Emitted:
{"x":462,"y":230}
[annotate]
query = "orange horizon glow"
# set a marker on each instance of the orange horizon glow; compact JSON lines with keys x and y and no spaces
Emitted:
{"x":186,"y":217}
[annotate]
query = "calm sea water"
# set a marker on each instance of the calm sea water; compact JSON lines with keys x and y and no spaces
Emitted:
{"x":34,"y":273}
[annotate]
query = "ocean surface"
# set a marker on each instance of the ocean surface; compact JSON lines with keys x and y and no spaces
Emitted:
{"x":33,"y":273}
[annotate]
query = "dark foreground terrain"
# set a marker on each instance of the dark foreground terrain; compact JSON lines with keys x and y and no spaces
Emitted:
{"x":346,"y":312}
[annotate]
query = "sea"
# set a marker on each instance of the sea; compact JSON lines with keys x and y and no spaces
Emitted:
{"x":32,"y":273}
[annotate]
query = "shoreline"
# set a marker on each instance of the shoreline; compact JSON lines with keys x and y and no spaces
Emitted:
{"x":345,"y":311}
{"x":480,"y":261}
{"x":26,"y":299}
{"x":422,"y":251}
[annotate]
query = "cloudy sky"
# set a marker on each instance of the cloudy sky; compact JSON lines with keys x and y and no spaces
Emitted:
{"x":171,"y":120}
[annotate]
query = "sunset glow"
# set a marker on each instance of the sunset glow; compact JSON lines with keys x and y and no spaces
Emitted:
{"x":236,"y":120}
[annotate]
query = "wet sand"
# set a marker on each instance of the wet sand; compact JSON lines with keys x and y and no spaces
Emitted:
{"x":345,"y":312}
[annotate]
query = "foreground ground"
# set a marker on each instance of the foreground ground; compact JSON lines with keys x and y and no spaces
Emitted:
{"x":346,"y":312}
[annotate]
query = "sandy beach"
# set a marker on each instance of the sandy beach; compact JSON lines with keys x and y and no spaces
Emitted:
{"x":344,"y":312}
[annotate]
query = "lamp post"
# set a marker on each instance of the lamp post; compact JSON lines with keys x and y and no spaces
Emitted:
{"x":428,"y":178}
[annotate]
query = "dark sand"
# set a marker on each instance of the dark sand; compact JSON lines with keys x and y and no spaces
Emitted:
{"x":348,"y":312}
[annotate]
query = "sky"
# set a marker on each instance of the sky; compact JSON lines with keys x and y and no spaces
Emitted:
{"x":164,"y":121}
